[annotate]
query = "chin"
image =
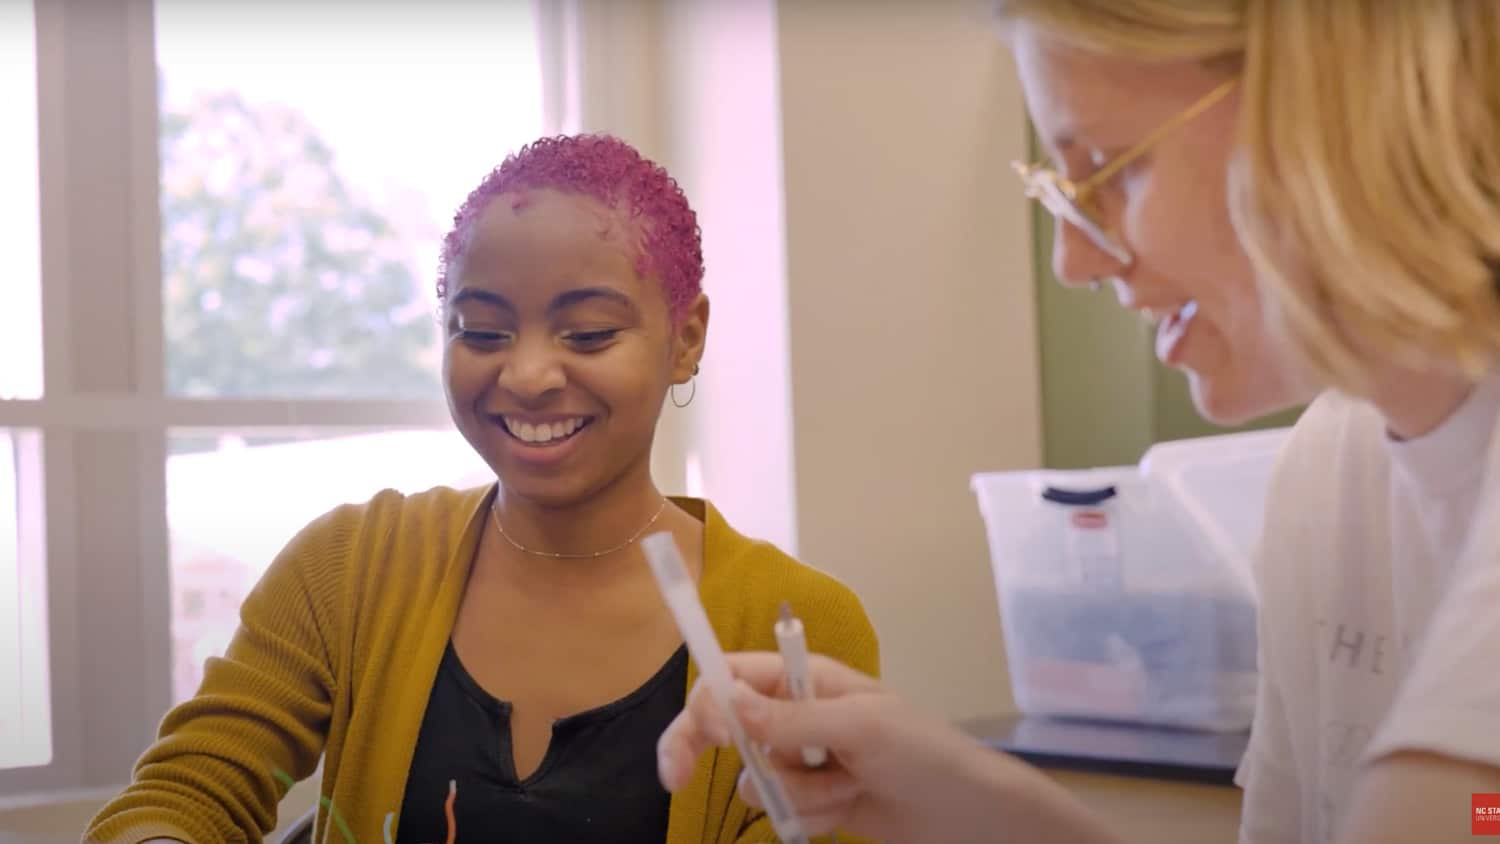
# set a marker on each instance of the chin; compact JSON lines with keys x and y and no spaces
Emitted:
{"x":549,"y":493}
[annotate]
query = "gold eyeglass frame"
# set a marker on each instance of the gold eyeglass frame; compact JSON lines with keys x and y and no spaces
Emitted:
{"x":1069,"y":201}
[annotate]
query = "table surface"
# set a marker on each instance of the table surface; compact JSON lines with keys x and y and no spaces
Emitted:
{"x":1121,"y":749}
{"x":1152,"y":811}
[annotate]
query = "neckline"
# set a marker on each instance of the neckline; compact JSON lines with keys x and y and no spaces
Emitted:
{"x":1454,"y":453}
{"x":604,"y":711}
{"x":501,"y":709}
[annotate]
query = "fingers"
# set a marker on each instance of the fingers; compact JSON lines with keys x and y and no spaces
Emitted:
{"x":823,"y":799}
{"x":786,"y":726}
{"x":701,"y":725}
{"x":832,"y":678}
{"x":766,"y":673}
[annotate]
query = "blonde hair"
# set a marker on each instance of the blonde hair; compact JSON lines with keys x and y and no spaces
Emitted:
{"x":1366,"y":189}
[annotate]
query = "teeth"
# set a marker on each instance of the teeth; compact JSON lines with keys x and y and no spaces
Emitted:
{"x":1153,"y":316}
{"x":545,"y":432}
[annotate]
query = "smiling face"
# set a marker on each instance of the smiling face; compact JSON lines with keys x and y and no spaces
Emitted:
{"x":1169,"y":208}
{"x":558,"y":354}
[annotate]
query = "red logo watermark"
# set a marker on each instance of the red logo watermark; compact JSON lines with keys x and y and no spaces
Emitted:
{"x":1486,"y":817}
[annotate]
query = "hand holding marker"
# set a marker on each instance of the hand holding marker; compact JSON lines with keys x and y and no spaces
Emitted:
{"x":681,"y":595}
{"x":793,"y":646}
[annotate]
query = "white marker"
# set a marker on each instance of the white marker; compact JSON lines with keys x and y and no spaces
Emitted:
{"x":793,"y":645}
{"x":681,"y":595}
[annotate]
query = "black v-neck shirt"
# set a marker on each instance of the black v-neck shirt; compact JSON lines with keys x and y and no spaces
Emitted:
{"x":597,"y":782}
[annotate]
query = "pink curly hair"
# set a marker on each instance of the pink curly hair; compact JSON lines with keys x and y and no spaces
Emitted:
{"x":668,"y":242}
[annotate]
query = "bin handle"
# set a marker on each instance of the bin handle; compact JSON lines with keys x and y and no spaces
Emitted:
{"x":1080,"y":497}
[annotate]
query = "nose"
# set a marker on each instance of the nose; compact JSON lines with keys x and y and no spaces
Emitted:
{"x":531,"y":369}
{"x":1077,"y":260}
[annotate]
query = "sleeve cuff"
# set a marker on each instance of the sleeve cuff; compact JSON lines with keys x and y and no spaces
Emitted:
{"x":1457,"y":733}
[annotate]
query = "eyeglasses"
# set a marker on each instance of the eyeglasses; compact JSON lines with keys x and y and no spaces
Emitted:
{"x":1070,"y":201}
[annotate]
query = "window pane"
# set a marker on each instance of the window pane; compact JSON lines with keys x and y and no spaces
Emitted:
{"x":25,"y":687}
{"x":20,"y":261}
{"x":234,"y":500}
{"x":311,"y":160}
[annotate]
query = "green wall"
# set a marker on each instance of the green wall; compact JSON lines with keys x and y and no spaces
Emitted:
{"x":1105,"y":397}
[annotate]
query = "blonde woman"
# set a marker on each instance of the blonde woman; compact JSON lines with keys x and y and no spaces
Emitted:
{"x":1306,"y":195}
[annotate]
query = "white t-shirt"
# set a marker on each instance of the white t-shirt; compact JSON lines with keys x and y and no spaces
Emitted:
{"x":1379,"y":581}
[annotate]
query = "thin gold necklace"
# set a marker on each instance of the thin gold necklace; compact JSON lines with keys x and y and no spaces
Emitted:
{"x":557,"y":555}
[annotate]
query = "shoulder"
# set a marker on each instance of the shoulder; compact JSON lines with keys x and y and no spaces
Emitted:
{"x":440,"y":510}
{"x":1334,"y":428}
{"x":1450,"y":696}
{"x":1333,"y":462}
{"x":746,"y":581}
{"x":1328,"y":492}
{"x":340,"y":530}
{"x":1449,"y":699}
{"x":760,"y":570}
{"x":363,"y":560}
{"x":389,"y":533}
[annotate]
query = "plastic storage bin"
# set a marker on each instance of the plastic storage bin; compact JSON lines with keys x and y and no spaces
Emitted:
{"x":1208,"y":480}
{"x":1125,"y":592}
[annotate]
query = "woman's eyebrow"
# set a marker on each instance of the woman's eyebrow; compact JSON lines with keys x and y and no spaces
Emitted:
{"x":569,"y":298}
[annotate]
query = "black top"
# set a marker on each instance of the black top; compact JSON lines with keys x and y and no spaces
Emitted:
{"x":597,"y":783}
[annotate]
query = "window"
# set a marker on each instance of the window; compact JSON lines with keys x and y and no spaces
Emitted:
{"x":230,"y":509}
{"x":20,"y":319}
{"x":25,"y":704}
{"x":303,"y":200}
{"x":229,"y":267}
{"x":305,"y":186}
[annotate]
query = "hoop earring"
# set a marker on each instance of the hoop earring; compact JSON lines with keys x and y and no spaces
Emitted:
{"x":692,"y":392}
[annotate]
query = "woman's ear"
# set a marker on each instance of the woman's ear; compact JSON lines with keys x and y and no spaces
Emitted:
{"x":688,"y":339}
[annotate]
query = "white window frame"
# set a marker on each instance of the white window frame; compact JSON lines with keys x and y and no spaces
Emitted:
{"x":104,"y":416}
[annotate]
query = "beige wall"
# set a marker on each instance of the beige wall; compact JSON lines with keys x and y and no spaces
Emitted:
{"x":693,"y":85}
{"x":913,"y":341}
{"x":723,"y":141}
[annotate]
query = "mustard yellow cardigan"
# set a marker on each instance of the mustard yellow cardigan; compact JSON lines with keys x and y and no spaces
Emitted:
{"x":335,"y":657}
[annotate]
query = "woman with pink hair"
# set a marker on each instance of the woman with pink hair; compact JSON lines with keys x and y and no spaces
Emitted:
{"x":497,"y":663}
